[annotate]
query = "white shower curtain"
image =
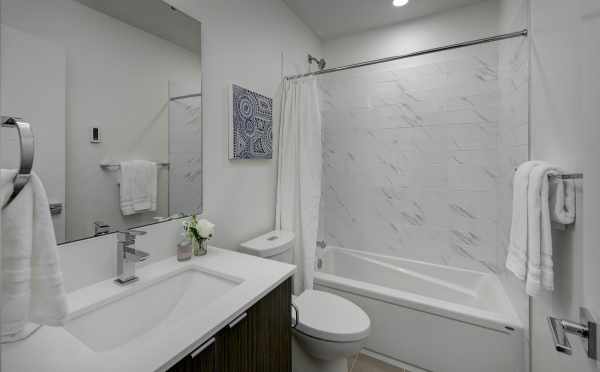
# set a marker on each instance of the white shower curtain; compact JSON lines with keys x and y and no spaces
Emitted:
{"x":299,"y":173}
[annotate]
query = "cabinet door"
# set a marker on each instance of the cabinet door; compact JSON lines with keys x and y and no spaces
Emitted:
{"x":203,"y":359}
{"x":270,"y":327}
{"x":234,"y":353}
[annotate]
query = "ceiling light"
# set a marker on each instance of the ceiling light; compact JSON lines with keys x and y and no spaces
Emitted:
{"x":399,"y":3}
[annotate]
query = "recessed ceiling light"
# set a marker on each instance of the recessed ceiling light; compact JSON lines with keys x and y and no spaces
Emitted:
{"x":399,"y":3}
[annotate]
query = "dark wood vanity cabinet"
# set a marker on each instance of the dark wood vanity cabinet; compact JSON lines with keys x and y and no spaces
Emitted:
{"x":259,"y":340}
{"x":202,"y":360}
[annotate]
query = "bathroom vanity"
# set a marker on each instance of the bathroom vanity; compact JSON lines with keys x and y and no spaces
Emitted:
{"x":225,"y":311}
{"x":258,"y":340}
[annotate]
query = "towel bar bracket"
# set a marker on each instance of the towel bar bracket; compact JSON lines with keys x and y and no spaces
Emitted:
{"x":27,"y":144}
{"x":587,"y":330}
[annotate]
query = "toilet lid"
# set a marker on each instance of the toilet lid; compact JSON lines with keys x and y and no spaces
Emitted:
{"x":331,"y":318}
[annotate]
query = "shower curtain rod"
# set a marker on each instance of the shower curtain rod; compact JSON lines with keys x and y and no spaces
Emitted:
{"x":522,"y":33}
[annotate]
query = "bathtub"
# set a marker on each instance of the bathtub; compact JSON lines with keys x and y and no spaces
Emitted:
{"x":427,"y":317}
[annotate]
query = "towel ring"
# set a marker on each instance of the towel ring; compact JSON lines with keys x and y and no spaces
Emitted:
{"x":27,"y":145}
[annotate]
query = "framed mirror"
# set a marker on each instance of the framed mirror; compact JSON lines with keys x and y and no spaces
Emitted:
{"x":113,"y":91}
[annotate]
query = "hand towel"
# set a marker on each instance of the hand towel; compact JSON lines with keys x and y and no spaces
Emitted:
{"x":32,"y":283}
{"x":540,"y":267}
{"x":139,"y":187}
{"x":562,"y":201}
{"x":516,"y":260}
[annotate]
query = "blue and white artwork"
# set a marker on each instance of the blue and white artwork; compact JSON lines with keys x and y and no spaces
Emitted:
{"x":251,"y":125}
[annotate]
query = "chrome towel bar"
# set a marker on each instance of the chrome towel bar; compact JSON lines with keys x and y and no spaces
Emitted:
{"x":570,"y":176}
{"x":27,"y":144}
{"x":116,"y":166}
{"x":566,"y":176}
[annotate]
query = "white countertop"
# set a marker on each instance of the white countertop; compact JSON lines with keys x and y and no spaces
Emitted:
{"x":53,"y":349}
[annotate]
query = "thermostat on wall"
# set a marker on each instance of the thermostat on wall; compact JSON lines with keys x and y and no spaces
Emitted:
{"x":95,"y":136}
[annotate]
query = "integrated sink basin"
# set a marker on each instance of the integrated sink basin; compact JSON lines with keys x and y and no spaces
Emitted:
{"x":145,"y":306}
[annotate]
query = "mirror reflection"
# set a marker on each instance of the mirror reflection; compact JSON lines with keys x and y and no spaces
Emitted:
{"x":113,"y":91}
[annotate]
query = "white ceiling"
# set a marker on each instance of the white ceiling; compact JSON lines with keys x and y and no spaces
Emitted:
{"x":334,"y":18}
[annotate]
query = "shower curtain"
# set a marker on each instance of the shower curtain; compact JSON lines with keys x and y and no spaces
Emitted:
{"x":299,"y":173}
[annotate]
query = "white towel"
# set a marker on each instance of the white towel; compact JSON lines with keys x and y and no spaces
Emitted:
{"x":562,"y":201}
{"x":32,"y":283}
{"x":540,"y":271}
{"x":139,"y":187}
{"x":516,"y":260}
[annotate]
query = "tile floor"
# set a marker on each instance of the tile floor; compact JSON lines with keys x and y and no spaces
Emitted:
{"x":363,"y":363}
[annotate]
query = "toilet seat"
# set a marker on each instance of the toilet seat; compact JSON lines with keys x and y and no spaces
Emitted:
{"x":332,"y":318}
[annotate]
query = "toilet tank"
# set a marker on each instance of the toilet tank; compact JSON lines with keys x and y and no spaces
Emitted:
{"x":276,"y":245}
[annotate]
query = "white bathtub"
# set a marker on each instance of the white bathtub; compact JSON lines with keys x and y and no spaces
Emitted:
{"x":428,"y":317}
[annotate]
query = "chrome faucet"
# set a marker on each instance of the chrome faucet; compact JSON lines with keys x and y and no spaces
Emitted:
{"x":101,"y":228}
{"x":128,"y":256}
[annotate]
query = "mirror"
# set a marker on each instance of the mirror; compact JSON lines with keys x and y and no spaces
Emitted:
{"x":104,"y":82}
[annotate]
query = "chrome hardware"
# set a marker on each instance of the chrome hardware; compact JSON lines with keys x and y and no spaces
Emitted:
{"x":321,"y":63}
{"x":101,"y":228}
{"x":560,"y":328}
{"x":569,"y":176}
{"x":319,"y":263}
{"x":117,"y":166}
{"x":56,"y":209}
{"x":322,"y":244}
{"x":204,"y":346}
{"x":27,"y":143}
{"x":128,"y":256}
{"x":177,"y":98}
{"x":565,"y":176}
{"x":238,"y":320}
{"x":522,"y":33}
{"x":295,"y":308}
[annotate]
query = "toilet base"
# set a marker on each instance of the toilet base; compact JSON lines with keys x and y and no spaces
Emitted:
{"x":302,"y":362}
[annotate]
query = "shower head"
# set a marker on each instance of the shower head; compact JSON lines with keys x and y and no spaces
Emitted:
{"x":320,"y":62}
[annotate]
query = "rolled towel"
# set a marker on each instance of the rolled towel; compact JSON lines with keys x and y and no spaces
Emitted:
{"x":562,"y":201}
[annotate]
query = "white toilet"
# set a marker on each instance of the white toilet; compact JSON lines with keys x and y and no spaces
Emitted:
{"x":329,"y":329}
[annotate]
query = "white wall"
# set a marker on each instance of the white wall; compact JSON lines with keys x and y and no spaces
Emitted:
{"x":243,"y":43}
{"x":565,"y":115}
{"x":118,"y":79}
{"x":41,"y":101}
{"x":466,"y":23}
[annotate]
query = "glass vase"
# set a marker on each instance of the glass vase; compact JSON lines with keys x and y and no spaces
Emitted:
{"x":200,"y":248}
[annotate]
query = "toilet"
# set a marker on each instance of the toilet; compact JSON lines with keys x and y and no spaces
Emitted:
{"x":328,"y":328}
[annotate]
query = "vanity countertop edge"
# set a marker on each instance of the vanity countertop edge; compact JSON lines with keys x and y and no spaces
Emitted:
{"x":54,"y":349}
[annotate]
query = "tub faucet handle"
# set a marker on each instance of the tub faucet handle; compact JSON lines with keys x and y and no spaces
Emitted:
{"x":587,"y":330}
{"x":322,"y":244}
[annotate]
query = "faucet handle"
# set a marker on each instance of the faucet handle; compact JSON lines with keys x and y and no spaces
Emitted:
{"x":129,"y":235}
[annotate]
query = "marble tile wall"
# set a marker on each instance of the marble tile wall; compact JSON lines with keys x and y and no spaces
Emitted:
{"x":417,"y":157}
{"x":513,"y":134}
{"x":185,"y":150}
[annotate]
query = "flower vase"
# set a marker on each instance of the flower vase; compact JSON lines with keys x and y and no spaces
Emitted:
{"x":200,"y":248}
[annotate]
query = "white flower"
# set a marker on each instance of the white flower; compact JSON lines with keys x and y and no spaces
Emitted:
{"x":205,"y":229}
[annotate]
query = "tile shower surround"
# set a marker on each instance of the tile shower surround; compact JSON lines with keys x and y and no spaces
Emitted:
{"x":419,"y":156}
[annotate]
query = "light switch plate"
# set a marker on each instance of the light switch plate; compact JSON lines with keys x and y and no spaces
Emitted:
{"x":95,"y":135}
